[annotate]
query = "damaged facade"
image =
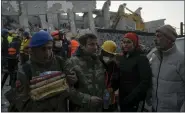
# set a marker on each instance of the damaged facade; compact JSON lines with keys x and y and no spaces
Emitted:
{"x":64,"y":15}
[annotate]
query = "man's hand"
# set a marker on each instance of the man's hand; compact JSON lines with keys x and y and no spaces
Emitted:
{"x":72,"y":78}
{"x":96,"y":101}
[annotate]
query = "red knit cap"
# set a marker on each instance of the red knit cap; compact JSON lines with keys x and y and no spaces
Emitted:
{"x":133,"y":37}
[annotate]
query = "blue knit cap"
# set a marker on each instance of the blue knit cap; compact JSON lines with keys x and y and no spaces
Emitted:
{"x":40,"y":38}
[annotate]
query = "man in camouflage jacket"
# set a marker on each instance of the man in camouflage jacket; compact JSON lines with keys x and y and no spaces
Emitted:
{"x":89,"y":89}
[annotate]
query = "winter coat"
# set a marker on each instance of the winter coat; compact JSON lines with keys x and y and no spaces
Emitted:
{"x":91,"y":79}
{"x":168,"y":89}
{"x":133,"y":81}
{"x":23,"y":101}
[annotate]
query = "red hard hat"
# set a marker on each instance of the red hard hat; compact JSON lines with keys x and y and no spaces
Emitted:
{"x":54,"y":33}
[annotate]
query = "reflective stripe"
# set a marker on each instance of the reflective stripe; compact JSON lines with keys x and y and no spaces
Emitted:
{"x":11,"y":51}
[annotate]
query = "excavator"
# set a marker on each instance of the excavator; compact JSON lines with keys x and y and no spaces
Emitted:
{"x":135,"y":16}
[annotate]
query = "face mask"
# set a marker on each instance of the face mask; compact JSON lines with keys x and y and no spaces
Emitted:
{"x":106,"y":59}
{"x":58,"y":44}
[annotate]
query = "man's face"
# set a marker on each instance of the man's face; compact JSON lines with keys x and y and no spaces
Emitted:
{"x":91,"y":46}
{"x":44,"y":52}
{"x":127,"y":45}
{"x":161,"y":41}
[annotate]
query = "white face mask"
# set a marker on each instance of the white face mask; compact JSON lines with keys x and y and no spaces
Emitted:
{"x":106,"y":59}
{"x":58,"y":44}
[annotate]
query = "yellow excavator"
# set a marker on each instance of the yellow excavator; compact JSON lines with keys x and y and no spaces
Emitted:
{"x":133,"y":16}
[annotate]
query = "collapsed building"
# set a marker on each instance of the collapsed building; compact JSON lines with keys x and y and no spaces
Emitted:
{"x":33,"y":15}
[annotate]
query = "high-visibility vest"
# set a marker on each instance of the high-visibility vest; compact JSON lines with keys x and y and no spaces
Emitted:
{"x":24,"y":44}
{"x":74,"y":46}
{"x":9,"y":39}
{"x":12,"y":50}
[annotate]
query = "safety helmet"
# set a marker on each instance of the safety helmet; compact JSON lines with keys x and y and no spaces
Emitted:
{"x":54,"y":33}
{"x":109,"y":46}
{"x":11,"y":32}
{"x":4,"y":31}
{"x":26,"y":34}
{"x":40,"y":38}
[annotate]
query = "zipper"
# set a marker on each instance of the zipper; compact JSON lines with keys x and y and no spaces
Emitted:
{"x":158,"y":81}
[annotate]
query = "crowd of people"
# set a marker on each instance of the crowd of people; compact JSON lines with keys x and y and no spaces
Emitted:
{"x":93,"y":73}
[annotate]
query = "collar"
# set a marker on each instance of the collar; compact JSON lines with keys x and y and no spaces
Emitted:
{"x":133,"y":53}
{"x":167,"y":52}
{"x":85,"y":55}
{"x":170,"y":51}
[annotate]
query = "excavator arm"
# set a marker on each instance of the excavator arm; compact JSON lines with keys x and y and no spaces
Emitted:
{"x":134,"y":15}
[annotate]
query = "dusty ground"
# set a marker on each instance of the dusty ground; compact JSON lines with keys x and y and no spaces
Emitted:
{"x":4,"y":102}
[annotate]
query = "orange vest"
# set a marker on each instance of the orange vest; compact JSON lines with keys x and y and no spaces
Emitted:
{"x":74,"y":46}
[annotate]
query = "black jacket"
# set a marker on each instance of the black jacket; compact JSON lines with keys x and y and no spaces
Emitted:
{"x":134,"y":79}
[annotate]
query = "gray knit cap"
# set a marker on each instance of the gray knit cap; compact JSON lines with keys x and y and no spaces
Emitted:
{"x":168,"y":31}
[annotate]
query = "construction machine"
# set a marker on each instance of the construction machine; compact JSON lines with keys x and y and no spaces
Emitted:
{"x":134,"y":16}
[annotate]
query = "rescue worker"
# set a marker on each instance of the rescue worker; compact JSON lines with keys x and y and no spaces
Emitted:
{"x":5,"y":40}
{"x":41,"y":59}
{"x":24,"y":56}
{"x":107,"y":57}
{"x":168,"y":80}
{"x":57,"y":43}
{"x":66,"y":46}
{"x":135,"y":75}
{"x":89,"y":70}
{"x":13,"y":53}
